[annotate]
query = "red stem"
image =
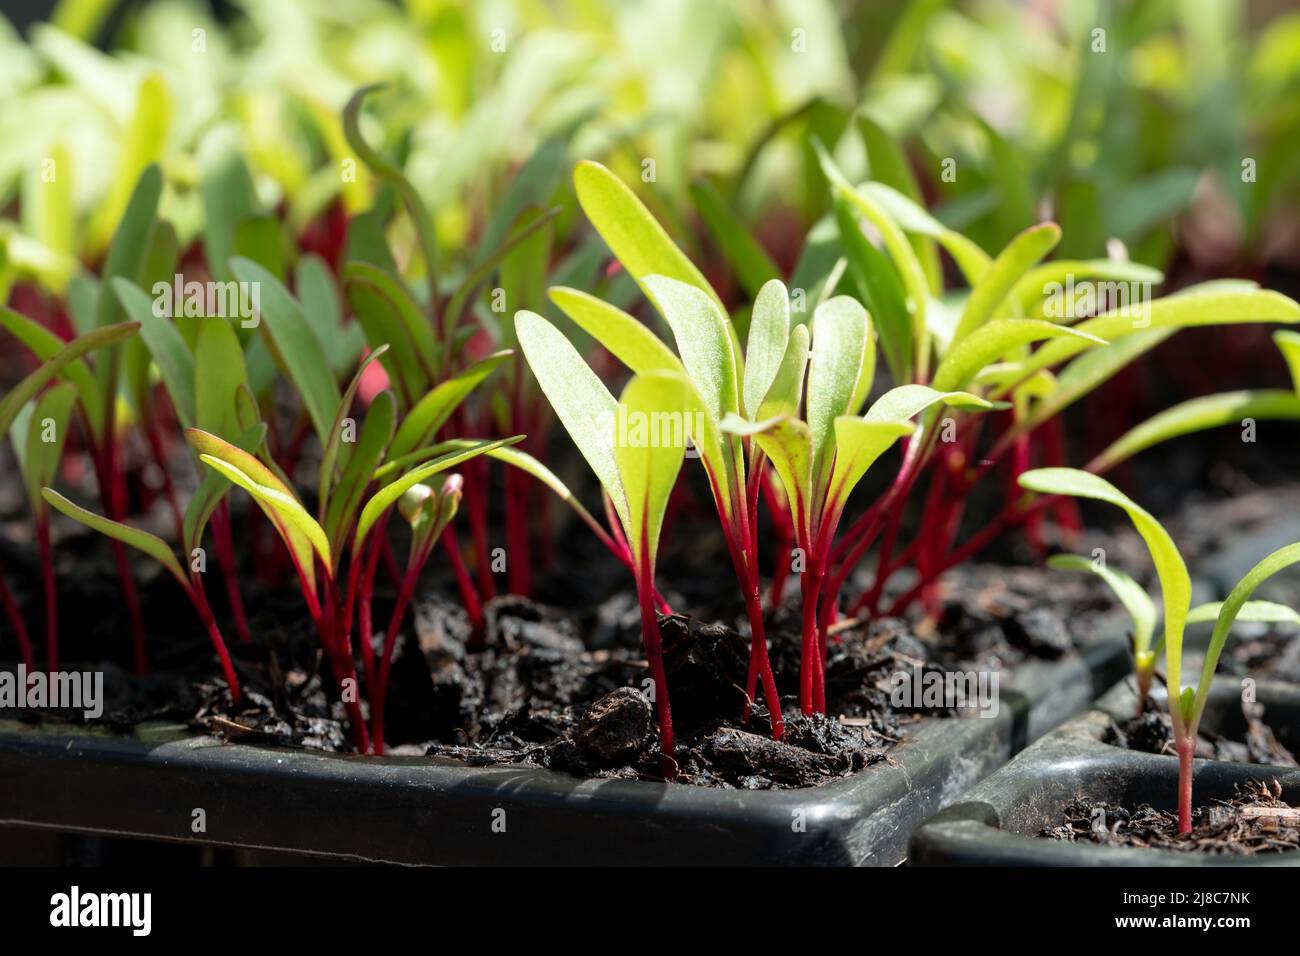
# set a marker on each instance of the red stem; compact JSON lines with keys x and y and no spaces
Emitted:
{"x":468,"y":596}
{"x":154,"y":438}
{"x":365,"y":624}
{"x":221,"y":533}
{"x":200,"y":601}
{"x":20,"y":628}
{"x":520,"y":562}
{"x":519,"y":575}
{"x":653,"y":641}
{"x":51,"y":597}
{"x":1186,"y":747}
{"x":379,"y":694}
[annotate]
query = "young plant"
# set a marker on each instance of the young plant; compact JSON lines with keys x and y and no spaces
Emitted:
{"x":732,"y":388}
{"x":635,"y":459}
{"x":39,"y":458}
{"x":979,"y":341}
{"x":344,"y":525}
{"x":1186,"y":704}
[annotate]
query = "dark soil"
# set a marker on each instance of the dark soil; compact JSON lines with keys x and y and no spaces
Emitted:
{"x":522,"y":694}
{"x":1152,"y":733}
{"x":535,"y":690}
{"x":1256,"y":820}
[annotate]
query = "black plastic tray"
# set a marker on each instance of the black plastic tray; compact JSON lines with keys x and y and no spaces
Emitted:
{"x":426,"y":811}
{"x":996,"y":823}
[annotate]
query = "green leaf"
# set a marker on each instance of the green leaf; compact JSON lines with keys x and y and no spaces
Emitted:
{"x":1044,"y":281}
{"x":906,"y":401}
{"x":390,"y":173}
{"x":321,"y":308}
{"x":150,"y":544}
{"x":1289,"y":343}
{"x":142,"y":145}
{"x":1255,"y":612}
{"x":626,"y":338}
{"x":387,"y":496}
{"x":40,"y":460}
{"x":299,"y":350}
{"x":1021,"y":253}
{"x":787,"y":442}
{"x":1228,"y":613}
{"x":300,"y":532}
{"x":580,"y":399}
{"x":753,"y":267}
{"x":1086,"y":373}
{"x":27,"y":389}
{"x":533,"y":185}
{"x":995,"y":339}
{"x":858,"y":444}
{"x":166,"y":347}
{"x":429,"y":511}
{"x":376,"y":434}
{"x":131,"y":241}
{"x":126,"y":255}
{"x":212,"y":489}
{"x":432,"y":411}
{"x":412,"y":320}
{"x":632,"y":234}
{"x":330,"y":454}
{"x":218,"y":377}
{"x":704,"y":341}
{"x":262,"y":239}
{"x":382,"y":325}
{"x":786,"y":391}
{"x":523,"y":271}
{"x":769,"y":334}
{"x":45,"y":345}
{"x":915,"y":283}
{"x":229,"y":197}
{"x":649,"y":468}
{"x":1212,"y":306}
{"x":1196,"y":415}
{"x":367,"y":242}
{"x":881,"y":290}
{"x":889,"y":167}
{"x":1175,"y":584}
{"x":530,"y":224}
{"x":1131,"y":594}
{"x":841,"y":335}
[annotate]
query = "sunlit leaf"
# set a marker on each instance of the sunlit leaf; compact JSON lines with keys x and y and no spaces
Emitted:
{"x":1175,"y":584}
{"x":580,"y":399}
{"x":150,"y":544}
{"x":649,"y":469}
{"x":632,"y":234}
{"x":626,"y":338}
{"x":1199,"y":414}
{"x":1228,"y":614}
{"x":27,"y":389}
{"x":997,"y":338}
{"x":1131,"y":594}
{"x":1021,"y":254}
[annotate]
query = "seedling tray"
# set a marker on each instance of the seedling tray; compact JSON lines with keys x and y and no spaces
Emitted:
{"x":996,"y":823}
{"x":428,"y":811}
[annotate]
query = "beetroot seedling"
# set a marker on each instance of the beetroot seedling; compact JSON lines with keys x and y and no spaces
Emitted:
{"x":1186,"y":704}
